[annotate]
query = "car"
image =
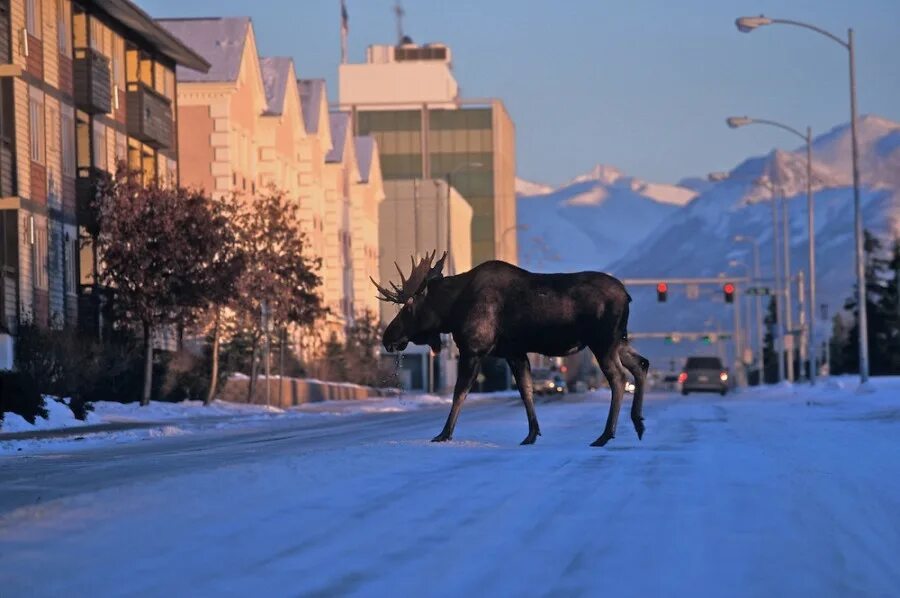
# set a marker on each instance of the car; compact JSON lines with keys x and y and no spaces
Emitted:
{"x":545,"y":382}
{"x":703,"y":374}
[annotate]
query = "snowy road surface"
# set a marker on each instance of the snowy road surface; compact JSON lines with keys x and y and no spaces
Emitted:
{"x":775,"y":493}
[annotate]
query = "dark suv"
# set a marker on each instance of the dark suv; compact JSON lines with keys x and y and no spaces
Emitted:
{"x":704,"y":374}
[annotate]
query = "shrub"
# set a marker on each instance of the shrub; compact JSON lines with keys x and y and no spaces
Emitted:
{"x":63,"y":363}
{"x":19,"y":395}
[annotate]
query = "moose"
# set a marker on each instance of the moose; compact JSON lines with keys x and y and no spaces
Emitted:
{"x":501,"y":310}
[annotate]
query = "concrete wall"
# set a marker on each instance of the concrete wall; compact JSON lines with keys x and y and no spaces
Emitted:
{"x":297,"y":391}
{"x":427,"y":82}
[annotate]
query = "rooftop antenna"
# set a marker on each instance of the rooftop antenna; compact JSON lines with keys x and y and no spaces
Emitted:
{"x":399,"y":12}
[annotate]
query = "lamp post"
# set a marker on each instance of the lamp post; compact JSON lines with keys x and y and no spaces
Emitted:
{"x":778,"y":330}
{"x":759,"y":310}
{"x":740,"y":121}
{"x":451,"y":266}
{"x":748,"y":24}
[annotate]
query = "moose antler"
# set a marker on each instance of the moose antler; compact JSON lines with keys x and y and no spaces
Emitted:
{"x":419,"y":276}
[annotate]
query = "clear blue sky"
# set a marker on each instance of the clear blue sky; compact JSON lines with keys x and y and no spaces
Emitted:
{"x":643,"y":85}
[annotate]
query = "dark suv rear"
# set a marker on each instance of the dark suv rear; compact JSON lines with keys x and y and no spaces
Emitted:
{"x":704,"y":374}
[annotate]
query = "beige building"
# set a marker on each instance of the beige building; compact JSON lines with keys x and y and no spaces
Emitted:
{"x":366,"y":197}
{"x":407,"y":98}
{"x":313,"y":149}
{"x":255,"y":125}
{"x":414,"y":219}
{"x":341,"y":172}
{"x":220,"y":149}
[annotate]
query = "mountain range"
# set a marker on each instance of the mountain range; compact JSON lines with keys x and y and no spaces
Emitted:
{"x":605,"y":220}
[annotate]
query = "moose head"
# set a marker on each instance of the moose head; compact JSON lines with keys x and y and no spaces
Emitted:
{"x":415,"y":322}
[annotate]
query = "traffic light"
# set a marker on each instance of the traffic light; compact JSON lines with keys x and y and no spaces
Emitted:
{"x":662,"y":292}
{"x":728,"y":289}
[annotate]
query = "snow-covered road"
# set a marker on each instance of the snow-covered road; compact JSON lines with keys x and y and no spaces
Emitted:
{"x":778,"y":492}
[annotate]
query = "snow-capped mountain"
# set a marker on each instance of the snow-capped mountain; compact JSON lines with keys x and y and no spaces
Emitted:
{"x":698,"y":239}
{"x":593,"y":220}
{"x":661,"y":232}
{"x":524,"y":187}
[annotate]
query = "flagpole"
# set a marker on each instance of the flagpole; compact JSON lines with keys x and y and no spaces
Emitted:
{"x":344,"y":30}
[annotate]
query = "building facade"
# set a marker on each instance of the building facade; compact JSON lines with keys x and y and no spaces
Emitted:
{"x":367,"y":195}
{"x":417,"y":217}
{"x":407,"y":99}
{"x":82,"y":87}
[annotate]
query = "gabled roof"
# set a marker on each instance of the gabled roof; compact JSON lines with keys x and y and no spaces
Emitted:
{"x":339,"y":122}
{"x":365,"y":150}
{"x":277,"y":72}
{"x":219,"y":40}
{"x":135,"y":19}
{"x":311,"y":93}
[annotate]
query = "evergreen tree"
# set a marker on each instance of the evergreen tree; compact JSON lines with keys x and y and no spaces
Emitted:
{"x":881,"y":313}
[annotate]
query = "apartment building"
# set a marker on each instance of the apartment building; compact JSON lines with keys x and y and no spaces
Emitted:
{"x":317,"y":143}
{"x":82,"y":86}
{"x":341,"y":172}
{"x":367,"y":194}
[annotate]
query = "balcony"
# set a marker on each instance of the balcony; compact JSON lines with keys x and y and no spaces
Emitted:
{"x":93,"y":92}
{"x":149,"y":116}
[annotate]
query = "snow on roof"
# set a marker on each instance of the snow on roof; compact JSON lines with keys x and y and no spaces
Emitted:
{"x":365,"y":150}
{"x":311,"y":92}
{"x":219,"y":40}
{"x":339,"y":122}
{"x":276,"y":72}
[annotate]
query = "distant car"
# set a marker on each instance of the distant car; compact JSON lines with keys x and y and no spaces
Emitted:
{"x":629,"y":387}
{"x":548,"y":382}
{"x":703,"y":374}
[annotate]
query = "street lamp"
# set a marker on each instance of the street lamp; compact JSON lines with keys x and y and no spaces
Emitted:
{"x":451,"y":266}
{"x":781,"y":305}
{"x":740,"y":121}
{"x":748,"y":24}
{"x":759,"y":310}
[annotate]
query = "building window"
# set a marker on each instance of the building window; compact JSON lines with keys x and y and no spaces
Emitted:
{"x":33,"y":17}
{"x":70,"y":265}
{"x":63,"y":29}
{"x":36,"y":112}
{"x":100,"y":157}
{"x":67,"y":134}
{"x":39,"y":256}
{"x":118,"y":63}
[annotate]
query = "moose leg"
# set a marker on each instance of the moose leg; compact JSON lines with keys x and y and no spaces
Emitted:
{"x":521,"y":369}
{"x":615,"y":375}
{"x":638,"y":365}
{"x":469,"y":365}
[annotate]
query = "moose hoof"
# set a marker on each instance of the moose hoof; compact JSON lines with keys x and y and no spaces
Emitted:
{"x":602,"y":440}
{"x":441,"y":438}
{"x":529,"y":439}
{"x":639,"y":427}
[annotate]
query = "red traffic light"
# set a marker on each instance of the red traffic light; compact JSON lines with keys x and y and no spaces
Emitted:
{"x":728,"y":289}
{"x":662,"y":290}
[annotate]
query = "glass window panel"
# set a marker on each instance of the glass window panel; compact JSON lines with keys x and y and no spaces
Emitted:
{"x":79,"y":25}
